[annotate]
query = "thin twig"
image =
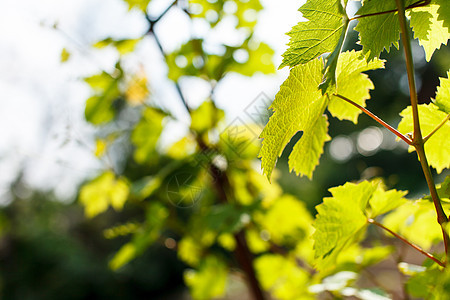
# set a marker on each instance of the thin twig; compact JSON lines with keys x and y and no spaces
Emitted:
{"x":376,"y":118}
{"x":430,"y":256}
{"x":417,"y":4}
{"x":425,"y":139}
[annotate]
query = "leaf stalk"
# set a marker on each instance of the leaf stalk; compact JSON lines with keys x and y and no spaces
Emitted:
{"x":376,"y":118}
{"x":429,"y":255}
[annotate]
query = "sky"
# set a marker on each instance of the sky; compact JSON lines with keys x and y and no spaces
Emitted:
{"x":44,"y":134}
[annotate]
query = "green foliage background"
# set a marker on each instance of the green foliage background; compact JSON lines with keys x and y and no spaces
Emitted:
{"x":160,"y":220}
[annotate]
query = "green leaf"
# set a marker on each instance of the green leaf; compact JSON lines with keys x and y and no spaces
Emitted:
{"x":444,"y":12}
{"x":351,"y":83}
{"x":340,"y":221}
{"x":141,"y":4}
{"x":382,"y":201}
{"x":209,"y":280}
{"x":190,"y":251}
{"x":443,"y":189}
{"x":287,"y":220}
{"x":319,"y":35}
{"x":205,"y":117}
{"x":259,"y":59}
{"x":443,"y":94}
{"x":282,"y":277}
{"x":428,"y":28}
{"x":99,"y":107}
{"x":298,"y":106}
{"x":437,"y":147}
{"x":103,"y":191}
{"x":329,"y":82}
{"x":156,"y":215}
{"x":65,"y":55}
{"x":146,"y":134}
{"x":378,"y":32}
{"x":423,"y":284}
{"x":124,"y":46}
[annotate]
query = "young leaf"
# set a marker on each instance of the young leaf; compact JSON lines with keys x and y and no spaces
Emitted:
{"x":429,"y":29}
{"x":383,"y":201}
{"x":298,"y":106}
{"x":352,"y":84}
{"x":339,"y":221}
{"x":342,"y":219}
{"x":319,"y":35}
{"x":437,"y":147}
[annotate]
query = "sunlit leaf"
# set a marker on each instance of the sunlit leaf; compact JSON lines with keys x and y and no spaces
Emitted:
{"x":282,"y":277}
{"x":437,"y":148}
{"x":443,"y":94}
{"x":100,"y":193}
{"x":100,"y":147}
{"x":140,"y":4}
{"x":298,"y":106}
{"x":429,"y":29}
{"x":137,"y":90}
{"x":353,"y":84}
{"x":205,"y":117}
{"x":378,"y":32}
{"x":416,"y":221}
{"x":65,"y":55}
{"x":190,"y":251}
{"x":320,"y":34}
{"x":146,"y":134}
{"x":287,"y":220}
{"x":209,"y":280}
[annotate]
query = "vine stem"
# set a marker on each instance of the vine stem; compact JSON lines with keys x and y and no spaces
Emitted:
{"x":418,"y":141}
{"x":376,"y":118}
{"x":430,"y":256}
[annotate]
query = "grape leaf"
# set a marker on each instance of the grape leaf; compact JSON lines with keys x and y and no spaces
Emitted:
{"x":342,"y":219}
{"x":429,"y":29}
{"x":339,"y":221}
{"x":444,"y":12}
{"x":319,"y":35}
{"x":443,"y":94}
{"x":352,"y":84}
{"x":379,"y":32}
{"x":437,"y":147}
{"x":298,"y":105}
{"x":382,"y":201}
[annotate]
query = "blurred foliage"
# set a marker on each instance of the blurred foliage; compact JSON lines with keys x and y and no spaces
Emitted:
{"x":162,"y":218}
